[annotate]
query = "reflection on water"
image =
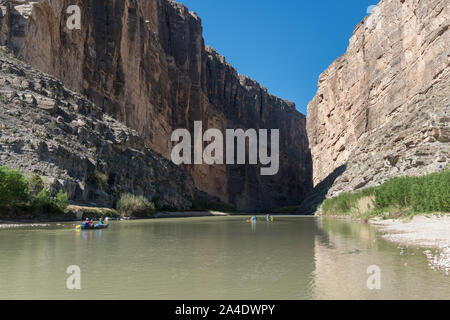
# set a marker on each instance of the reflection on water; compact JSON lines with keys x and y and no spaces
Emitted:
{"x":213,"y":258}
{"x":344,"y":251}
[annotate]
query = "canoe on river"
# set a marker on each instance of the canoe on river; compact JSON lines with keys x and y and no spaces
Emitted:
{"x":95,"y":227}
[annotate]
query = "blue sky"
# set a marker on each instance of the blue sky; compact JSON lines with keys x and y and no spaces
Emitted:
{"x":284,"y":45}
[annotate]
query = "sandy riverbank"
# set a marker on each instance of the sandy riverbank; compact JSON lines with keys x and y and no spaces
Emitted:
{"x":429,"y":232}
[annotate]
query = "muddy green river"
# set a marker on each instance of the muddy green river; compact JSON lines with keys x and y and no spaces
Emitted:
{"x":214,"y":258}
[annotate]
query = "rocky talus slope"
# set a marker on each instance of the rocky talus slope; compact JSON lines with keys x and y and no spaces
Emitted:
{"x":383,"y":108}
{"x":48,"y":130}
{"x":145,"y":64}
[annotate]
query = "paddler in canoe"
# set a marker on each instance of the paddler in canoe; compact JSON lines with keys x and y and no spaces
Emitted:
{"x":86,"y":223}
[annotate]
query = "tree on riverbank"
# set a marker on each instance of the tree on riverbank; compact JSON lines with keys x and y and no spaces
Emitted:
{"x":18,"y":193}
{"x":14,"y":189}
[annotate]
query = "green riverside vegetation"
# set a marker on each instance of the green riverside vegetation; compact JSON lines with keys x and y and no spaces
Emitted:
{"x":400,"y":196}
{"x":21,"y":195}
{"x":137,"y":206}
{"x":28,"y":197}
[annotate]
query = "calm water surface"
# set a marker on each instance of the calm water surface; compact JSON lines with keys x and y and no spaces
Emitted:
{"x":213,"y":258}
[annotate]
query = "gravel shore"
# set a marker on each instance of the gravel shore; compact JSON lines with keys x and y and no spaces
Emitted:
{"x":21,"y":225}
{"x":423,"y":231}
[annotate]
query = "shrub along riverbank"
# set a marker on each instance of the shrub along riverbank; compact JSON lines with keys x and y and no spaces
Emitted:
{"x":136,"y":206}
{"x":27,"y":198}
{"x":20,"y":196}
{"x":400,"y":196}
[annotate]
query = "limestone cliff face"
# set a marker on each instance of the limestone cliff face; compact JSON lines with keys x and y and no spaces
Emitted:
{"x":48,"y":130}
{"x":145,"y":63}
{"x":383,"y":108}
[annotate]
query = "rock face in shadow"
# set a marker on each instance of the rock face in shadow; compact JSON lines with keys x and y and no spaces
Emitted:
{"x":313,"y":201}
{"x":383,"y":108}
{"x":145,"y":63}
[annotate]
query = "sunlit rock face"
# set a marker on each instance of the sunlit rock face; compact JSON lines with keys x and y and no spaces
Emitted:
{"x":383,"y":109}
{"x":145,"y":63}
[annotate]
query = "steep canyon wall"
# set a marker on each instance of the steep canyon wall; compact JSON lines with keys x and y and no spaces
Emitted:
{"x":383,"y":108}
{"x":145,"y":63}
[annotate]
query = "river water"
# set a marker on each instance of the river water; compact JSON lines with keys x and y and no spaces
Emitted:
{"x":214,"y":258}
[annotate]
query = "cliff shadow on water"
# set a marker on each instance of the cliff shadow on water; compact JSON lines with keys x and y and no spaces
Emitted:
{"x":314,"y":199}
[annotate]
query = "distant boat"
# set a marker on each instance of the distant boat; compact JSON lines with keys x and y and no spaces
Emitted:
{"x":95,"y":227}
